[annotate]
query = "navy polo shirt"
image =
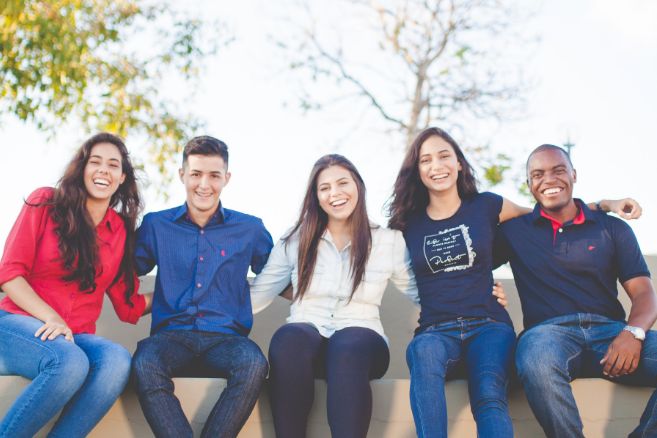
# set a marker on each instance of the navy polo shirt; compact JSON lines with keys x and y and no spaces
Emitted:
{"x":201,"y":277}
{"x":452,"y":260}
{"x":561,"y":269}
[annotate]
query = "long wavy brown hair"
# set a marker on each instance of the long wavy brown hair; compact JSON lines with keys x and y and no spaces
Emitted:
{"x":409,"y":195}
{"x":75,"y":229}
{"x":313,"y":220}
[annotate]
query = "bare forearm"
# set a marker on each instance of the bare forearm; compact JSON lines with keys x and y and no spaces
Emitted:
{"x":22,"y":294}
{"x":644,"y":310}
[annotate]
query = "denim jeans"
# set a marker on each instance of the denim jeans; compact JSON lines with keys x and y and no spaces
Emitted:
{"x":485,"y":347}
{"x":552,"y":354}
{"x":82,"y":379}
{"x":175,"y":352}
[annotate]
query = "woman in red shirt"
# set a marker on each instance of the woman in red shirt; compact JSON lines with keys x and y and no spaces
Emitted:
{"x":69,"y":246}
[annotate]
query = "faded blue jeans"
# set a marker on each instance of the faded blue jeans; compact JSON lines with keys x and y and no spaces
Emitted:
{"x":82,"y":379}
{"x":485,"y":348}
{"x":184,"y":352}
{"x":552,"y":354}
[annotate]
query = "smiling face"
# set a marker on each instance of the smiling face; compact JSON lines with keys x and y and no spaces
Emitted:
{"x":438,"y":165}
{"x":103,"y":172}
{"x":550,"y":178}
{"x":204,"y":177}
{"x":337,"y":193}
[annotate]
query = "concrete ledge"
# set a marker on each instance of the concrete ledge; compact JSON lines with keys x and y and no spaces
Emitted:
{"x":607,"y":409}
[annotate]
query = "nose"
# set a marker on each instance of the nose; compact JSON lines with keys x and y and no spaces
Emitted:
{"x":205,"y":181}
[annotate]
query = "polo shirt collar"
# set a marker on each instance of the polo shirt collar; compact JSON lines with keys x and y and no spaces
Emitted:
{"x":218,"y":217}
{"x":584,"y":214}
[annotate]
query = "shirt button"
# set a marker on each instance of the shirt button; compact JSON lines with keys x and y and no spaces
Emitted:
{"x":202,"y":231}
{"x":198,"y":285}
{"x":201,"y":258}
{"x":561,"y":230}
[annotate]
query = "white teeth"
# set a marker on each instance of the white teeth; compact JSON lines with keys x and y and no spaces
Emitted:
{"x":552,"y":191}
{"x":101,"y":182}
{"x":440,"y":176}
{"x":338,"y":203}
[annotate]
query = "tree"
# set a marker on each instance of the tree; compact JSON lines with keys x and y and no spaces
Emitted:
{"x":103,"y":63}
{"x":443,"y":62}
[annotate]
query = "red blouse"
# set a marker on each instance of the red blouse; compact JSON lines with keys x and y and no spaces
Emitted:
{"x":32,"y":251}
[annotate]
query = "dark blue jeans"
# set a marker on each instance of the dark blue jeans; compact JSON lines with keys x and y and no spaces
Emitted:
{"x":559,"y":350}
{"x":348,"y":360}
{"x":177,"y":352}
{"x":82,"y":379}
{"x":485,"y":348}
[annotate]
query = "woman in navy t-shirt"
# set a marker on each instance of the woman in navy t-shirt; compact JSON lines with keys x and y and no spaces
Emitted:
{"x":449,"y":229}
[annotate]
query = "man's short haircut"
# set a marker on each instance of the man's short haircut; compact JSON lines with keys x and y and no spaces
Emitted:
{"x":549,"y":147}
{"x":205,"y":145}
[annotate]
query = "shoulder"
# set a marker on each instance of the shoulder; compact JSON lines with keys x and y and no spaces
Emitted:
{"x":490,"y":199}
{"x":615,"y":225}
{"x":387,"y":234}
{"x":235,"y":216}
{"x":155,"y":217}
{"x":41,"y":195}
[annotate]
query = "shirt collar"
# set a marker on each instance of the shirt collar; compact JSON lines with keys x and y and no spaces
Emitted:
{"x":583,"y":214}
{"x":218,"y":217}
{"x":112,"y":221}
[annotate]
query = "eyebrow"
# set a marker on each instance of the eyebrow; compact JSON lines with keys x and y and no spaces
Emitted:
{"x":100,"y":157}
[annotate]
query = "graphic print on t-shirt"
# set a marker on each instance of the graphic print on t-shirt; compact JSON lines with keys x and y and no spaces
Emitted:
{"x":449,"y":250}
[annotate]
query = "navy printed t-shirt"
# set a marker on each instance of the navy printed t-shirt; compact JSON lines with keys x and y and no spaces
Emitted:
{"x":453,"y":260}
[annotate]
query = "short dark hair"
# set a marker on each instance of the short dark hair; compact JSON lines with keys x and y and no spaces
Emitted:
{"x":549,"y":147}
{"x":205,"y":145}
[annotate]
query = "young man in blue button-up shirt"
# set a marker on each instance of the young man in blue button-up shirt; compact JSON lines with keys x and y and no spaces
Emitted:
{"x":201,"y":306}
{"x":566,"y":260}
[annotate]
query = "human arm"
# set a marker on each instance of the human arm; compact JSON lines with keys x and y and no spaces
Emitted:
{"x":622,"y":356}
{"x":498,"y":292}
{"x":24,"y":241}
{"x":145,"y":259}
{"x":627,"y":208}
{"x":22,"y":294}
{"x":403,"y":276}
{"x":273,"y":279}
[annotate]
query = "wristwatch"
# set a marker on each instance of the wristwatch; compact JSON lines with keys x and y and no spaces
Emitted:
{"x":637,"y":332}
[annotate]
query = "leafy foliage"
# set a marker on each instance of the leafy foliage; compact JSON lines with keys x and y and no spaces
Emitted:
{"x":103,"y":63}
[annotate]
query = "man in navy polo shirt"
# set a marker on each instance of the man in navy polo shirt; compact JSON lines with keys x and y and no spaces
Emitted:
{"x":566,"y":260}
{"x":201,"y":306}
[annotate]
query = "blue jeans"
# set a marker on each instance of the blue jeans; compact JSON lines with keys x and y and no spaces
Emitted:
{"x":552,"y":354}
{"x":181,"y":352}
{"x":82,"y":379}
{"x":485,"y":347}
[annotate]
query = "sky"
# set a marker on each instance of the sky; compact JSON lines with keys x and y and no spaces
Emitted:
{"x":594,"y":69}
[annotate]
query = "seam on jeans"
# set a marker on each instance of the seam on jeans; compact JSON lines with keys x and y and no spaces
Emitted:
{"x":568,"y":363}
{"x":41,"y":344}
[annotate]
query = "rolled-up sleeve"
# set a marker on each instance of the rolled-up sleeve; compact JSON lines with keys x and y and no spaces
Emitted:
{"x":21,"y":244}
{"x":126,"y":312}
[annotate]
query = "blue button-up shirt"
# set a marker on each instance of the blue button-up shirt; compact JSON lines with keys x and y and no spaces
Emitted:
{"x":201,"y":277}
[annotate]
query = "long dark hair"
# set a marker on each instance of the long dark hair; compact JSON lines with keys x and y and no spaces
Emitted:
{"x":409,"y":195}
{"x":75,"y":228}
{"x":313,"y":220}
